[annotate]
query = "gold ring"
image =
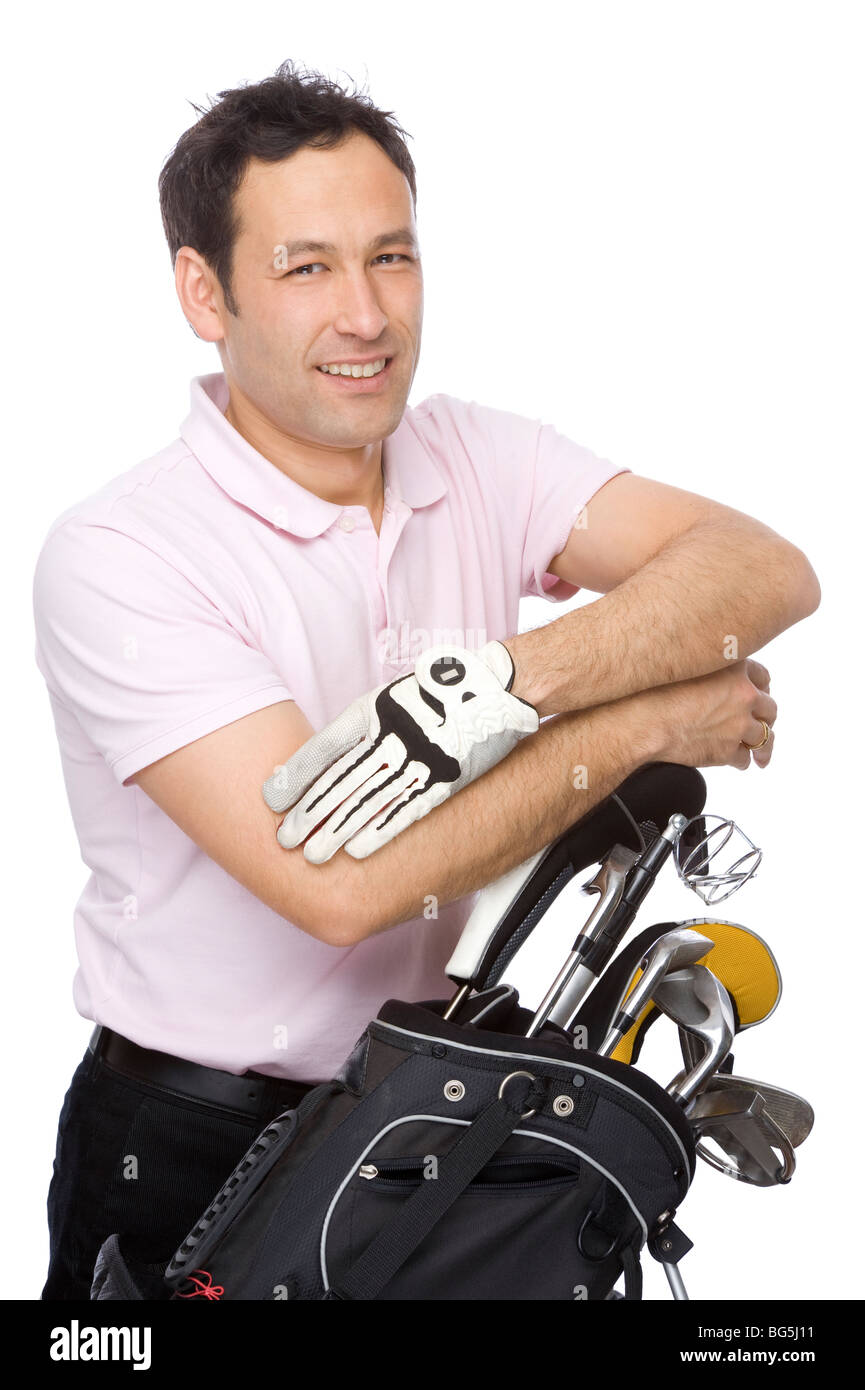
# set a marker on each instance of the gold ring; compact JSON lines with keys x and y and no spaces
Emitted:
{"x":764,"y":739}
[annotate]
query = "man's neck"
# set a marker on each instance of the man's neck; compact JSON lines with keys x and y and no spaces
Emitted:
{"x":354,"y":479}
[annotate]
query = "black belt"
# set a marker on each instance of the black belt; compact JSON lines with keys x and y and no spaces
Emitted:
{"x":248,"y":1094}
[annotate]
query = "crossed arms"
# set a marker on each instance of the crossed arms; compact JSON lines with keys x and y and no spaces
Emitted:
{"x":681,"y":577}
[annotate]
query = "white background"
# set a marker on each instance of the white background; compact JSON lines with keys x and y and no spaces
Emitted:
{"x":642,"y":222}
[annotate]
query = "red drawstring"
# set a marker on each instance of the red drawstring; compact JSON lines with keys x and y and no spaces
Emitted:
{"x":208,"y":1290}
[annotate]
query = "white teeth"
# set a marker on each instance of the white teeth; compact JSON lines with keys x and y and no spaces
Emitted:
{"x":347,"y":369}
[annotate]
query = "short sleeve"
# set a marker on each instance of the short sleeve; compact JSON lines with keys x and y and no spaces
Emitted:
{"x":565,"y":477}
{"x":543,"y":480}
{"x":143,"y":658}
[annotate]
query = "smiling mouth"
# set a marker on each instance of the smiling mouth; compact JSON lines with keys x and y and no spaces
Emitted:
{"x":371,"y":366}
{"x":359,"y":377}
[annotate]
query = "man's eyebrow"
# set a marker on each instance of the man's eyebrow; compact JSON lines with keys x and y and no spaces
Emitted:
{"x":301,"y":248}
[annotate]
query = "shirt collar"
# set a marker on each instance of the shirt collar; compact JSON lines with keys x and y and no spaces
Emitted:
{"x":410,"y":475}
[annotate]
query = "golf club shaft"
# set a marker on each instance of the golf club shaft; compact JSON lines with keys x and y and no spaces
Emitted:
{"x":591,"y":953}
{"x":610,"y":881}
{"x":507,"y":910}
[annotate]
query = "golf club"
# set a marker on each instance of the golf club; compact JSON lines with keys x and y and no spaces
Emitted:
{"x":791,"y":1113}
{"x":695,"y":1000}
{"x":610,"y":882}
{"x":740,"y":958}
{"x":507,"y":910}
{"x":672,"y":952}
{"x":602,"y":933}
{"x":737,"y":1121}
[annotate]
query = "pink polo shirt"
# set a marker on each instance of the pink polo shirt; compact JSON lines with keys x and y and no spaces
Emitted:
{"x":203,"y":584}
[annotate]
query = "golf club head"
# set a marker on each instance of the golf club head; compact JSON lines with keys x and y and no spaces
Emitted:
{"x":694,"y":999}
{"x":670,"y":953}
{"x":756,"y":1150}
{"x":740,"y":959}
{"x":692,"y":1049}
{"x":791,"y":1113}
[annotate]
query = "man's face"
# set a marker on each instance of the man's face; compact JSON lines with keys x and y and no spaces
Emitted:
{"x":362,"y":300}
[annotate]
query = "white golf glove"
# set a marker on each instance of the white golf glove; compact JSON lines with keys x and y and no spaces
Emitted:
{"x":398,"y":751}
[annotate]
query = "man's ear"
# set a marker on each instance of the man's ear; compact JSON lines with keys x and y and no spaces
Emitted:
{"x":199,"y":297}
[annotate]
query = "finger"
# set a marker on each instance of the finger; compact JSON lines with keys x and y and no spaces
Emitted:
{"x":754,"y":736}
{"x":374,"y":835}
{"x":351,"y":820}
{"x":761,"y":756}
{"x":354,"y":815}
{"x":293,"y":777}
{"x":757,"y":673}
{"x":742,"y":759}
{"x":366,"y":763}
{"x":764,"y":707}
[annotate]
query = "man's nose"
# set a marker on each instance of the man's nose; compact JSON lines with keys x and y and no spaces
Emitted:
{"x":359,"y":311}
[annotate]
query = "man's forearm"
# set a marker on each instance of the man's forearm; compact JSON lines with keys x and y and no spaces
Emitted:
{"x":547,"y":783}
{"x":718,"y":593}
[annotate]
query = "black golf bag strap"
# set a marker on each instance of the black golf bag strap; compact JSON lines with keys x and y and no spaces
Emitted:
{"x":633,"y":1270}
{"x":402,"y":1234}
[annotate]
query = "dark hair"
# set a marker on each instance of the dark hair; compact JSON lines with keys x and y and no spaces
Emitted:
{"x":268,"y":120}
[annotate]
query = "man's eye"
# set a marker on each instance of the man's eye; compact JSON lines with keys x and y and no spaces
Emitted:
{"x":393,"y":255}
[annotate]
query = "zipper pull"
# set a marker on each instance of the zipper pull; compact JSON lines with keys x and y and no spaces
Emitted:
{"x":368,"y":1170}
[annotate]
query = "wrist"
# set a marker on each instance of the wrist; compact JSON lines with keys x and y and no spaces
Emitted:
{"x":526,"y":684}
{"x":647,"y":727}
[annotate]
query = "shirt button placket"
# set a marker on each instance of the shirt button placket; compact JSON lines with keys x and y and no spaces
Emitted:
{"x":393,"y":521}
{"x":367,"y":556}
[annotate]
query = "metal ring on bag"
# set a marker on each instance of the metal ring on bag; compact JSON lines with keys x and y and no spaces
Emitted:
{"x":527,"y":1113}
{"x":590,"y":1216}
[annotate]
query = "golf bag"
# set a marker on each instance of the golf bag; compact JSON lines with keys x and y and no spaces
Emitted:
{"x":444,"y":1161}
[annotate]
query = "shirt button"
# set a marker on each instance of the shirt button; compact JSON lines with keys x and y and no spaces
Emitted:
{"x":346,"y":522}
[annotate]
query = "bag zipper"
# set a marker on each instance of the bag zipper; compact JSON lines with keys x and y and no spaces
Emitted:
{"x":387,"y":1172}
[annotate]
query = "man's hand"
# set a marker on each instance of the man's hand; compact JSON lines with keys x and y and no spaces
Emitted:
{"x":713,"y":720}
{"x":400,"y":750}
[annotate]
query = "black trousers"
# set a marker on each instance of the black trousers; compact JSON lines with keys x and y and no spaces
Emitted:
{"x":136,"y":1159}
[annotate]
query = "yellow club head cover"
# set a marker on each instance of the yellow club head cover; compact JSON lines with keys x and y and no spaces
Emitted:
{"x":743,"y":963}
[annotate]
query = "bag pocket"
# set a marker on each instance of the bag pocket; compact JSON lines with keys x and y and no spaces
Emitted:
{"x":233,"y":1197}
{"x":521,"y":1230}
{"x":509,"y":1173}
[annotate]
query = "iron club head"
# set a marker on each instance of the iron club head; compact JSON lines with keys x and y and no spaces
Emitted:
{"x":669,"y":954}
{"x":697,"y":1001}
{"x":791,"y":1113}
{"x":754,"y":1148}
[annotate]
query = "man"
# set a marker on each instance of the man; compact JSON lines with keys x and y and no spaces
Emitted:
{"x":204,"y":613}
